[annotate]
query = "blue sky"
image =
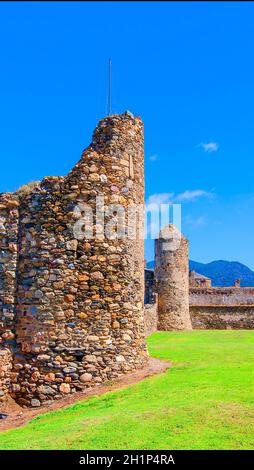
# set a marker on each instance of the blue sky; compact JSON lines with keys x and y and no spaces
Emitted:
{"x":186,"y":68}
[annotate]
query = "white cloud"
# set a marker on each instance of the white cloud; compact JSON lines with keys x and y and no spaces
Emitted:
{"x":153,"y":158}
{"x":189,"y":196}
{"x":158,"y":206}
{"x":160,"y":198}
{"x":171,"y":198}
{"x":195,"y":222}
{"x":209,"y":147}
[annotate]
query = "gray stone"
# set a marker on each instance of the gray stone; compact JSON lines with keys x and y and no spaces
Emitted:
{"x":69,"y":370}
{"x":46,"y":390}
{"x":35,"y":403}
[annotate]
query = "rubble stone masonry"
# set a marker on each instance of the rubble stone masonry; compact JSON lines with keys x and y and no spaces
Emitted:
{"x":151,"y":316}
{"x":5,"y":372}
{"x":72,"y":307}
{"x":172,"y":280}
{"x":9,"y":223}
{"x":222,"y":307}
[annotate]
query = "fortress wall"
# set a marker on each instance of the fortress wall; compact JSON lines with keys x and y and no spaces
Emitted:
{"x":222,"y":318}
{"x":151,"y":317}
{"x":222,"y":307}
{"x":222,"y":296}
{"x":9,"y":220}
{"x":5,"y":372}
{"x":39,"y":245}
{"x":80,"y":300}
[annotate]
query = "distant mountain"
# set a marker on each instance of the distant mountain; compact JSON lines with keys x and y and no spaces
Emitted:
{"x":222,"y":273}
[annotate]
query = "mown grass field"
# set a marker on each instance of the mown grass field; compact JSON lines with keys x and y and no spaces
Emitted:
{"x":205,"y":401}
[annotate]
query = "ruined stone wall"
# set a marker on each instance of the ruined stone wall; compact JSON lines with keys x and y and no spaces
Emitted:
{"x":79,"y":300}
{"x":9,"y":222}
{"x":172,"y":280}
{"x":5,"y":372}
{"x":151,"y":316}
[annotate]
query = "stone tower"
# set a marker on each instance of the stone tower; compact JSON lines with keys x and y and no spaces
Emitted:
{"x":79,"y":299}
{"x":172,"y":280}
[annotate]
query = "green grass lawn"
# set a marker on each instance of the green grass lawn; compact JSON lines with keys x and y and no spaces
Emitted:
{"x":205,"y":401}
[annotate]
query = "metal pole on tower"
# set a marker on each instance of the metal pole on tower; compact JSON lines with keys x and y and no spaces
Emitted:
{"x":109,"y":87}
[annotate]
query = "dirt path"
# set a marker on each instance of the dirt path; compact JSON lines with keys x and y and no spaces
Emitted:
{"x":18,"y":416}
